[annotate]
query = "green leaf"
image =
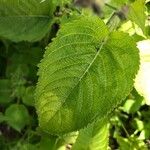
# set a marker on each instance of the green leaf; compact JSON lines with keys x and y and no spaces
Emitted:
{"x":66,"y":140}
{"x":129,"y":106}
{"x":133,"y":105}
{"x":137,"y":37}
{"x":28,"y":96}
{"x":95,"y":136}
{"x":47,"y":143}
{"x":137,"y":13}
{"x":17,"y":116}
{"x":145,"y":134}
{"x":131,"y":143}
{"x":60,"y":2}
{"x":138,"y":124}
{"x":86,"y":72}
{"x":5,"y":91}
{"x":24,"y":20}
{"x":117,"y":3}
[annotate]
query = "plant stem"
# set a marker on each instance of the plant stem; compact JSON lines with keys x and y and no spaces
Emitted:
{"x":117,"y":17}
{"x":113,"y":22}
{"x":110,"y":6}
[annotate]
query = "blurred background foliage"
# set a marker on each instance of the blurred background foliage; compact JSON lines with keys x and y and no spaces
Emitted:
{"x":129,"y":124}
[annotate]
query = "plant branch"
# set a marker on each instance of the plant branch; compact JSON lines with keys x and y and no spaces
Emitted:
{"x":110,"y":6}
{"x":117,"y":17}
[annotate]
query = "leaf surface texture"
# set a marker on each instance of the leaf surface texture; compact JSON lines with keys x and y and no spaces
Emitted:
{"x":85,"y":73}
{"x":24,"y":20}
{"x":95,"y":136}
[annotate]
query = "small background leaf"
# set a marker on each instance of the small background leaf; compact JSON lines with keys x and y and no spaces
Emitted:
{"x":17,"y":116}
{"x":133,"y":105}
{"x":28,"y":96}
{"x":24,"y":20}
{"x":137,"y":14}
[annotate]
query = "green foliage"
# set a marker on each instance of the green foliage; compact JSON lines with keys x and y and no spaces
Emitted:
{"x":28,"y":96}
{"x":85,"y":79}
{"x":95,"y":136}
{"x":46,"y":143}
{"x":130,"y":143}
{"x":60,"y":2}
{"x":130,"y":125}
{"x":17,"y":116}
{"x":118,"y":3}
{"x":133,"y":105}
{"x":137,"y":14}
{"x":27,"y":20}
{"x":77,"y":70}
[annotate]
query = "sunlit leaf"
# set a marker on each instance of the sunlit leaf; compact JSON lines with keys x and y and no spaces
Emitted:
{"x":86,"y":72}
{"x":137,"y":13}
{"x":94,"y":137}
{"x":130,"y":143}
